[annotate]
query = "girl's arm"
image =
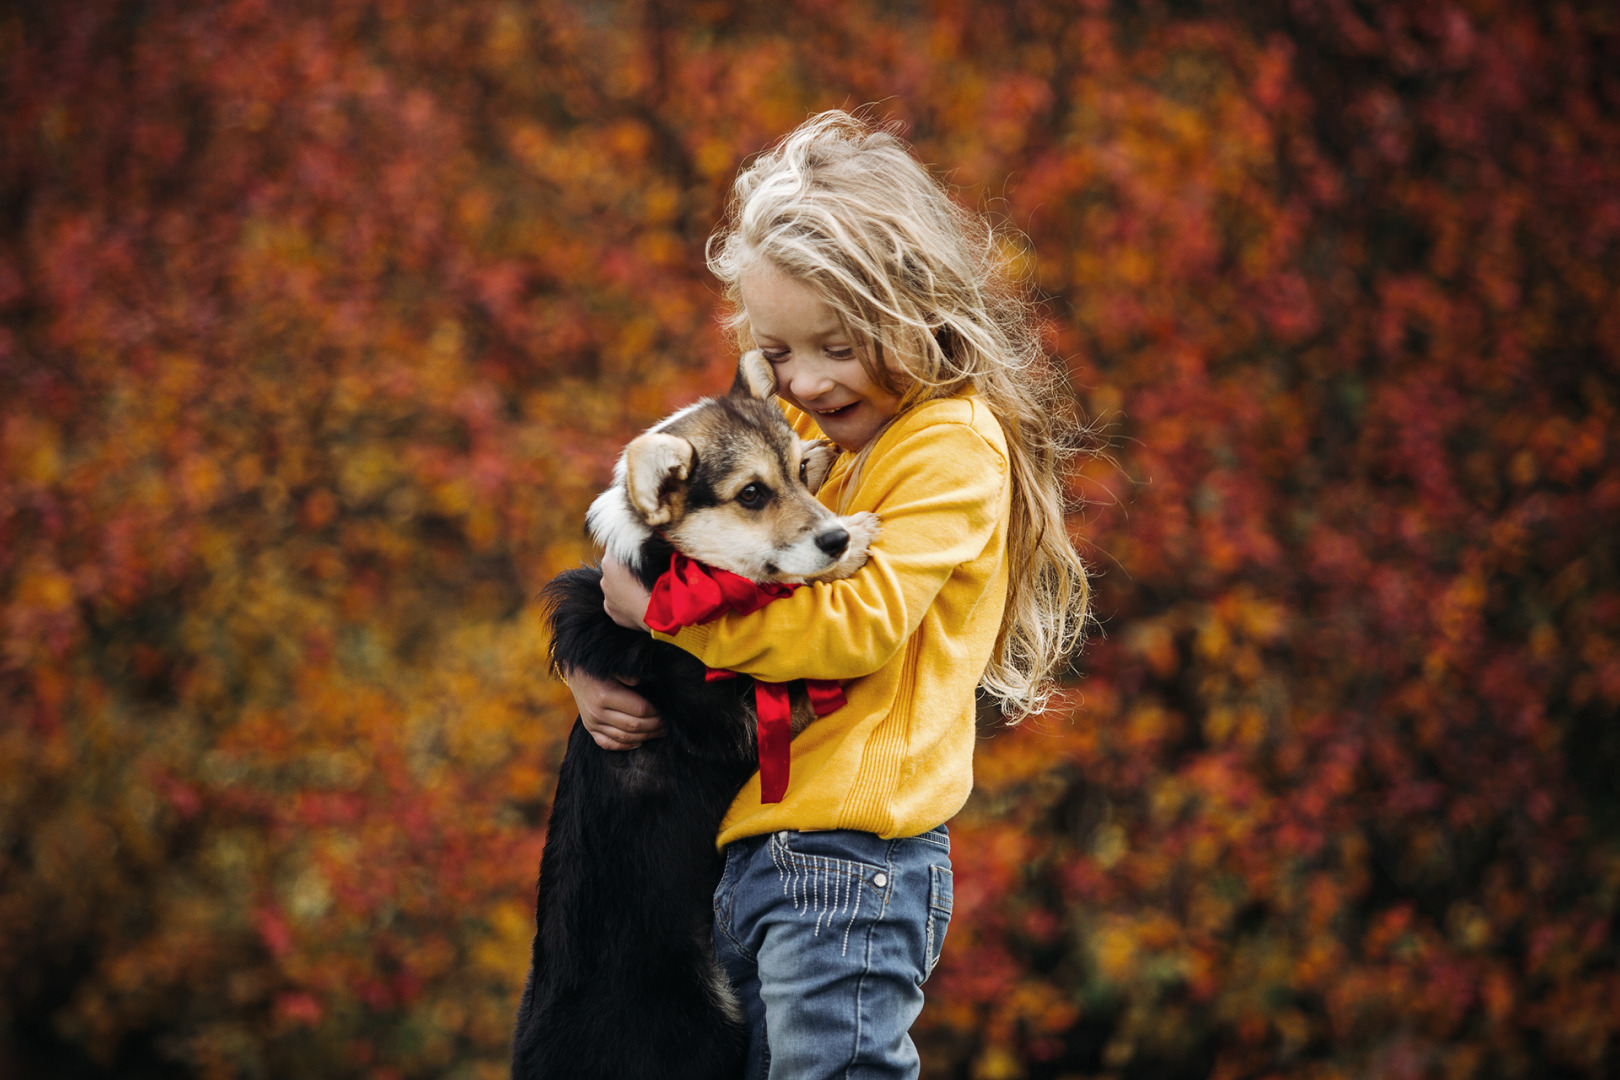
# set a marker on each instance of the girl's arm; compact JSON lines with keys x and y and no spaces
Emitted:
{"x":623,"y":597}
{"x":941,"y":492}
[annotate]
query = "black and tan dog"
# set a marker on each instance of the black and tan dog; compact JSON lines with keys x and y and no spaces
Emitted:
{"x":623,"y":981}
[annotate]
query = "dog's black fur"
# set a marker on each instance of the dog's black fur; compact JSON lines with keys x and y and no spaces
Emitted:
{"x":623,"y":981}
{"x":623,"y":977}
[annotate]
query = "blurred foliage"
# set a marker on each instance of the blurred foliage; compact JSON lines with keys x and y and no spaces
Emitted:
{"x":320,"y":323}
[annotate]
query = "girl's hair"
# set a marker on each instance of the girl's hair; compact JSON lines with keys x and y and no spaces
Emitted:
{"x":844,"y":207}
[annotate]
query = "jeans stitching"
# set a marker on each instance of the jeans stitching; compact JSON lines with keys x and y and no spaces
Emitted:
{"x":822,"y":884}
{"x":928,"y":947}
{"x":856,"y":867}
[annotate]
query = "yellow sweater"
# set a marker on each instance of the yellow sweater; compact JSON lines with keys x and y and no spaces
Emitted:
{"x":911,"y":633}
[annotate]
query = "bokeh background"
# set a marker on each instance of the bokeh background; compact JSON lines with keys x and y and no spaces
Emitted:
{"x":322,"y":320}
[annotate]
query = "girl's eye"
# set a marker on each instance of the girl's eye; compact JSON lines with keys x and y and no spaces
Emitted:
{"x":753,"y":496}
{"x":774,"y":356}
{"x":840,"y":352}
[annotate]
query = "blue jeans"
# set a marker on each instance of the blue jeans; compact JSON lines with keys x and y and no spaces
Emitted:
{"x":827,"y":937}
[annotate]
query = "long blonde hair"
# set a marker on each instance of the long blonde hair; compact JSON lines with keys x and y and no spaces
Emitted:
{"x":841,"y":205}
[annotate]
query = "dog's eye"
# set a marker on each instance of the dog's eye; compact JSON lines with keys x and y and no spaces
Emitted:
{"x":753,"y":496}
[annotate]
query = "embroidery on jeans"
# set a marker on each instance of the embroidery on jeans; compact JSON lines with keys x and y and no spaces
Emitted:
{"x":817,"y":883}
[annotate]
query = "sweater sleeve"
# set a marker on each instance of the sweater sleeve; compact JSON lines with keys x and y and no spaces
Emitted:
{"x":939,"y":491}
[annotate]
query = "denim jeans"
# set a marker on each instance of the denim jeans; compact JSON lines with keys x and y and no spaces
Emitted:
{"x":827,"y":937}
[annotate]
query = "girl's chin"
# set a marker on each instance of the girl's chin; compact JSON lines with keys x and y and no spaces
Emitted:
{"x":850,"y":430}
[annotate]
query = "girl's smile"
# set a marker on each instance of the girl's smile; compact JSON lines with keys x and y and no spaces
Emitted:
{"x":817,"y":367}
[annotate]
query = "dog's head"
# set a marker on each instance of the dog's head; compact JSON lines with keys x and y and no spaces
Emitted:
{"x":729,"y":483}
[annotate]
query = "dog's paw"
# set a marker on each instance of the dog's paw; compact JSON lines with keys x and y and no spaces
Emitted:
{"x":864,"y":528}
{"x":816,"y":462}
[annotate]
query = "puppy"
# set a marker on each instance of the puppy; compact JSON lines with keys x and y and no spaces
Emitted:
{"x":623,"y":980}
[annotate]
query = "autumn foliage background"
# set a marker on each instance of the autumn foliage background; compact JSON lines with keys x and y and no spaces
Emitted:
{"x":320,"y":323}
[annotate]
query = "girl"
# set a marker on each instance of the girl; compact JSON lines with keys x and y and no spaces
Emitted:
{"x":880,"y":304}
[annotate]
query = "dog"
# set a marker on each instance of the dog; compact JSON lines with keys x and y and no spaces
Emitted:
{"x":623,"y":978}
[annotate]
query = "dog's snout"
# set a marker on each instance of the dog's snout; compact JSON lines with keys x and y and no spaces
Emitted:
{"x":834,"y":541}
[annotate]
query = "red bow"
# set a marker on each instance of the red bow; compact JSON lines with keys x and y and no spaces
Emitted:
{"x":689,"y":593}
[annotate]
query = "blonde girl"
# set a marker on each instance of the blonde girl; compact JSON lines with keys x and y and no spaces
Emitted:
{"x":884,"y":310}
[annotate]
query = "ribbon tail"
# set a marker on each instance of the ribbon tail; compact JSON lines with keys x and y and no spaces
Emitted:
{"x":775,"y":739}
{"x":826,"y":695}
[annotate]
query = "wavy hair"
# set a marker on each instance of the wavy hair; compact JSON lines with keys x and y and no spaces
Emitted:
{"x":841,"y":205}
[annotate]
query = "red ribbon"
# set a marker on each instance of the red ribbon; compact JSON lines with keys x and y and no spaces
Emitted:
{"x":689,"y":593}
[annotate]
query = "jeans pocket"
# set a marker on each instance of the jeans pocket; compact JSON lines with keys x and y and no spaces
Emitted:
{"x":825,"y":889}
{"x":725,"y":892}
{"x":939,"y":914}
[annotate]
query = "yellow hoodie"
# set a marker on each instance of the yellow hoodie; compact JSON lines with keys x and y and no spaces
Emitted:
{"x":910,"y":632}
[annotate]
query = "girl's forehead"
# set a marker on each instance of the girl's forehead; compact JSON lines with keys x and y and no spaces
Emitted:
{"x":772,"y":299}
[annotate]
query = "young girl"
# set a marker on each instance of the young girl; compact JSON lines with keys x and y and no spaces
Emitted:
{"x":881,"y":306}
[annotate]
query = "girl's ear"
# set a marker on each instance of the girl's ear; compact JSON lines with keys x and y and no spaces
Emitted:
{"x":655,"y":470}
{"x":755,"y":376}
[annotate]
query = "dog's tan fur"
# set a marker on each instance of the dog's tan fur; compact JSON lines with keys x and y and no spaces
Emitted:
{"x":733,"y":487}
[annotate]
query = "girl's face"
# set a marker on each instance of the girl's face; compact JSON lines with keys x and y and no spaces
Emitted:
{"x":817,"y":367}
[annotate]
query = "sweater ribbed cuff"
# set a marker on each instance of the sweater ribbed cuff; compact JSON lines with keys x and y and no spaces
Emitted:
{"x":693,"y":639}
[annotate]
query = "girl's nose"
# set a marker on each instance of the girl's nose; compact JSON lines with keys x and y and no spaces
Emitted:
{"x":808,"y":381}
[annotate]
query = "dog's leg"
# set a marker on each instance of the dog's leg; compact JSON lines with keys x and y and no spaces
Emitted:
{"x":816,"y":461}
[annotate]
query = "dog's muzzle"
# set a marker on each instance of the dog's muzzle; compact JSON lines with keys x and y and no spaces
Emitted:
{"x":833,"y":541}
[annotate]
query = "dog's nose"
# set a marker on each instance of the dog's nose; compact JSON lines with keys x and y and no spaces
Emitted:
{"x":834,"y":541}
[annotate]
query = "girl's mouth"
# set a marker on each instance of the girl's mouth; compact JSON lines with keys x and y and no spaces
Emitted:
{"x":840,"y":411}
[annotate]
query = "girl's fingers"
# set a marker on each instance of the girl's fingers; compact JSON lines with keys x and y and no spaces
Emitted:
{"x":631,"y":704}
{"x":615,"y":731}
{"x":616,"y":716}
{"x":609,"y":740}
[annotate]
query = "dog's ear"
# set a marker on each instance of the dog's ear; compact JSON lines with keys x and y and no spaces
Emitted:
{"x":755,"y":376}
{"x":815,"y":461}
{"x":655,"y":470}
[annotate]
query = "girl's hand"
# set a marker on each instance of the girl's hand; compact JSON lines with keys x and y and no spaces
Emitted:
{"x":617,"y":717}
{"x":623,"y":597}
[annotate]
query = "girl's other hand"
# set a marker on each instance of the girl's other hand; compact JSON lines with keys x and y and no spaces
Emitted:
{"x":623,"y":597}
{"x":617,"y":717}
